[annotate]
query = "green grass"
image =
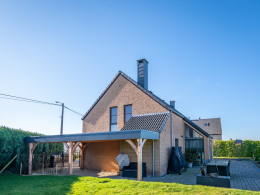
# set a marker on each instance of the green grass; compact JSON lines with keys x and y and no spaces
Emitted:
{"x":16,"y":184}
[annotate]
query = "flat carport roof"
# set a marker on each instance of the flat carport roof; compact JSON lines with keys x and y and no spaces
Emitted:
{"x":71,"y":141}
{"x":99,"y":136}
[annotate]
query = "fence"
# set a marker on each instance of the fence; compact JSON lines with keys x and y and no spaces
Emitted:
{"x":47,"y":163}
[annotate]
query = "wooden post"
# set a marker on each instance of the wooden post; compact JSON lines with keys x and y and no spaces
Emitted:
{"x":70,"y":158}
{"x":138,"y":150}
{"x":21,"y":167}
{"x":82,"y":149}
{"x":81,"y":159}
{"x":31,"y":149}
{"x":30,"y":159}
{"x":71,"y":148}
{"x":139,"y":160}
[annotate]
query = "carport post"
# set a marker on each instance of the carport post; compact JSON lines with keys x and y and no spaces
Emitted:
{"x":82,"y":148}
{"x":30,"y":159}
{"x":31,"y":149}
{"x":139,"y":160}
{"x":70,"y":158}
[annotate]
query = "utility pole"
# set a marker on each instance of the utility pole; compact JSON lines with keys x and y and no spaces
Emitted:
{"x":61,"y":126}
{"x":62,"y":113}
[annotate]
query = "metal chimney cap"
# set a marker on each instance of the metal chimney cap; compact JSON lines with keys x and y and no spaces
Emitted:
{"x":142,"y":60}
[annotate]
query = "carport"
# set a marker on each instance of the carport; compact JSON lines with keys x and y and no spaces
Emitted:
{"x":71,"y":141}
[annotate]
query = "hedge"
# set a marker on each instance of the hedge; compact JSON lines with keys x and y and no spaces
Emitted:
{"x":12,"y":143}
{"x":230,"y":149}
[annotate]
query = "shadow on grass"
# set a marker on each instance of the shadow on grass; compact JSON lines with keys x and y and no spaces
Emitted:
{"x":42,"y":184}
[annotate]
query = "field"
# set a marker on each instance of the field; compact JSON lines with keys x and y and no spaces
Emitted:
{"x":16,"y":184}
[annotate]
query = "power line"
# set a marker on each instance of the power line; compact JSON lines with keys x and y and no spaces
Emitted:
{"x":73,"y":111}
{"x":11,"y":97}
{"x":28,"y":100}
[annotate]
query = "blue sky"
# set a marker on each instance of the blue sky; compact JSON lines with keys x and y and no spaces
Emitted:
{"x":203,"y":54}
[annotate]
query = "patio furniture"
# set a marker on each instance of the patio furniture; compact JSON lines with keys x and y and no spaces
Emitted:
{"x":206,"y":162}
{"x":222,"y":165}
{"x":131,"y":170}
{"x":220,"y":181}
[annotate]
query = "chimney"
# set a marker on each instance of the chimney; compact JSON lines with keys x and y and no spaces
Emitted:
{"x":142,"y":73}
{"x":172,"y":103}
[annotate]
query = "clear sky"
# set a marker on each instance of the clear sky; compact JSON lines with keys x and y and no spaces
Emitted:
{"x":203,"y":54}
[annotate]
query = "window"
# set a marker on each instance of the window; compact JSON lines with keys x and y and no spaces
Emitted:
{"x":208,"y":124}
{"x":191,"y":133}
{"x":128,"y":112}
{"x":176,"y":142}
{"x":113,"y":119}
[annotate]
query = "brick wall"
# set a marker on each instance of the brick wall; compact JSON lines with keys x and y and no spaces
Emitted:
{"x":178,"y":131}
{"x":165,"y":147}
{"x":217,"y":137}
{"x":101,"y":156}
{"x":121,"y":93}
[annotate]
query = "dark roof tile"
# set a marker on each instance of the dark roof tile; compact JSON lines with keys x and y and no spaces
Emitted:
{"x":150,"y":122}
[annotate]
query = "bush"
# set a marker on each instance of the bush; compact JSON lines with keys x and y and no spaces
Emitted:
{"x":12,"y":144}
{"x":190,"y":156}
{"x":257,"y":157}
{"x":230,"y":149}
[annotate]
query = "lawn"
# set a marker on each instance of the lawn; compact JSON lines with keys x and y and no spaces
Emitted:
{"x":16,"y":184}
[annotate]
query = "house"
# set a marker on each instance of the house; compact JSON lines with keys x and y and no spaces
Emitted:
{"x":126,"y":106}
{"x":212,"y":126}
{"x":129,"y":119}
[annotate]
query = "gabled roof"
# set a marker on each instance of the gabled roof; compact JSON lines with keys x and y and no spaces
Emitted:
{"x":214,"y":127}
{"x":150,"y":122}
{"x":150,"y":94}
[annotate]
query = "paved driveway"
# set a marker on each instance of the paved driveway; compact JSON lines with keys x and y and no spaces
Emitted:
{"x":245,"y":175}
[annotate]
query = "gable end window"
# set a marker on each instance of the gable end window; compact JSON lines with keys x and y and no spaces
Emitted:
{"x":127,"y":112}
{"x":113,"y":119}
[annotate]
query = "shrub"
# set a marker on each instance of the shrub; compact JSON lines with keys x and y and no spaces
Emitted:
{"x":230,"y":149}
{"x":12,"y":144}
{"x":190,"y":156}
{"x":257,"y":157}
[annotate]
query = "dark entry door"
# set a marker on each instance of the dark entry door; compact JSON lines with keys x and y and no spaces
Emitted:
{"x":176,"y":142}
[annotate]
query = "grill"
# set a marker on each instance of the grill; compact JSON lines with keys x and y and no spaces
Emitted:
{"x":177,"y":161}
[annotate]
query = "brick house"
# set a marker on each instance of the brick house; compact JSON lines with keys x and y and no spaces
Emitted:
{"x":127,"y":105}
{"x":212,"y":126}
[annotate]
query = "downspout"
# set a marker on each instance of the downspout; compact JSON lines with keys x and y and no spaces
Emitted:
{"x":171,"y":130}
{"x":209,"y":151}
{"x":153,"y":157}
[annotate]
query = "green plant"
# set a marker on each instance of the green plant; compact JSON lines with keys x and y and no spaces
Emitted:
{"x":12,"y":143}
{"x":190,"y":156}
{"x":257,"y":157}
{"x":230,"y":149}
